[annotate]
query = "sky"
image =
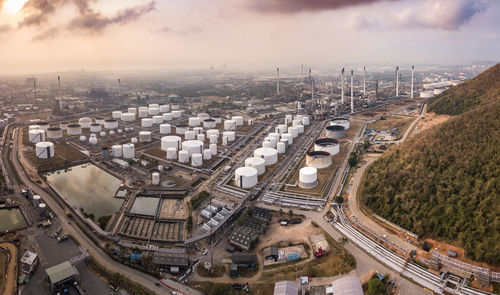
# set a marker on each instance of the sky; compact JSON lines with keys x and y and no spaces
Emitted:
{"x":63,"y":35}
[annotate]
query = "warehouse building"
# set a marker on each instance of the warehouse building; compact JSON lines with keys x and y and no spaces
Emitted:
{"x":171,"y":262}
{"x":243,"y":238}
{"x":62,"y":276}
{"x":286,"y":288}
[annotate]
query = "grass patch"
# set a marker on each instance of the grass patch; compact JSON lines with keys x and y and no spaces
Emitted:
{"x":218,"y":271}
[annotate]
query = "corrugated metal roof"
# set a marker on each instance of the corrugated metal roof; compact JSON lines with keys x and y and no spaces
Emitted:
{"x":347,"y":286}
{"x":61,"y":272}
{"x":286,"y":288}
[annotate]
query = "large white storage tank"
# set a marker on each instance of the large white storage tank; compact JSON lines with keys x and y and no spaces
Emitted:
{"x":229,"y":125}
{"x":132,"y":110}
{"x":281,"y":129}
{"x":85,"y":122}
{"x":183,"y":156}
{"x":288,"y":119}
{"x":164,"y":108}
{"x":167,"y":117}
{"x":95,"y":127}
{"x":128,"y":117}
{"x":63,"y":125}
{"x":200,"y":137}
{"x":144,"y":136}
{"x":146,"y":122}
{"x":305,"y":121}
{"x":143,"y":112}
{"x":281,"y":147}
{"x":99,"y":120}
{"x":335,"y":131}
{"x":318,"y":159}
{"x":157,"y":119}
{"x":153,"y":111}
{"x":36,"y":135}
{"x":189,"y":135}
{"x":171,"y":141}
{"x":270,"y":155}
{"x":43,"y":125}
{"x":155,"y":178}
{"x":165,"y":128}
{"x":198,"y":130}
{"x":194,"y":121}
{"x":116,"y":114}
{"x":192,"y":146}
{"x":171,"y":153}
{"x":245,"y":177}
{"x":329,"y":145}
{"x":294,"y":131}
{"x":213,"y":149}
{"x":128,"y":150}
{"x":111,"y":124}
{"x":176,"y":114}
{"x":209,"y":123}
{"x":238,"y":120}
{"x":154,"y":106}
{"x":217,"y":119}
{"x":203,"y":116}
{"x":196,"y":160}
{"x":54,"y":133}
{"x":344,"y":122}
{"x":181,"y":129}
{"x":231,"y":135}
{"x":44,"y":149}
{"x":308,"y":177}
{"x":288,"y":137}
{"x":258,"y":163}
{"x":211,"y":132}
{"x":213,"y":138}
{"x":74,"y":129}
{"x":207,"y":154}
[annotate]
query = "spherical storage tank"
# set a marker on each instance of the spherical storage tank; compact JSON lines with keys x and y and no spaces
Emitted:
{"x":344,"y":122}
{"x":238,"y":120}
{"x":95,"y":127}
{"x":85,"y":122}
{"x":145,"y":136}
{"x":196,"y":160}
{"x":93,"y":139}
{"x":258,"y":163}
{"x":128,"y":150}
{"x":335,"y":131}
{"x":54,"y":132}
{"x":146,"y":122}
{"x":102,"y":134}
{"x":165,"y":128}
{"x":74,"y":129}
{"x":157,"y":119}
{"x":111,"y":123}
{"x":229,"y":125}
{"x":329,"y":145}
{"x":83,"y":138}
{"x":192,"y":146}
{"x":36,"y":135}
{"x":134,"y":140}
{"x":128,"y":117}
{"x":44,"y":149}
{"x":318,"y":159}
{"x":308,"y":177}
{"x":270,"y":155}
{"x":245,"y":177}
{"x":209,"y":123}
{"x":194,"y":121}
{"x":183,"y":156}
{"x":171,"y":141}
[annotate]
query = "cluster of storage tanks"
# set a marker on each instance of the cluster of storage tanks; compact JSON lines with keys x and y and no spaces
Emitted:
{"x":275,"y":143}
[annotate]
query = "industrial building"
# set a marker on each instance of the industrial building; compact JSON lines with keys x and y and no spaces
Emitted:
{"x":347,"y":286}
{"x":171,"y":262}
{"x":243,"y":238}
{"x":245,"y":260}
{"x":62,"y":276}
{"x":286,"y":288}
{"x":29,"y":262}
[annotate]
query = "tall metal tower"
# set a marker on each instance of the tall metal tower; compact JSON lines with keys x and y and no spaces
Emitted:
{"x":411,"y":90}
{"x":278,"y":81}
{"x":342,"y":87}
{"x":397,"y":81}
{"x":364,"y":81}
{"x":352,"y":91}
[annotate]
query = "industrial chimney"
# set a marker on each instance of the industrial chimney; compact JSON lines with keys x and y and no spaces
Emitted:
{"x":397,"y":81}
{"x":364,"y":81}
{"x":342,"y":87}
{"x":352,"y":91}
{"x":411,"y":90}
{"x":278,"y":81}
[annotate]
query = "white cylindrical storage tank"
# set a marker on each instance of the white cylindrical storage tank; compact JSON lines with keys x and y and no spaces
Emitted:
{"x":116,"y":114}
{"x":308,"y":177}
{"x":147,"y":122}
{"x":93,"y":139}
{"x":74,"y":129}
{"x":229,"y":125}
{"x":134,"y":140}
{"x":218,"y":120}
{"x":165,"y":128}
{"x":231,"y":135}
{"x":250,"y":122}
{"x":189,"y":134}
{"x":301,"y":128}
{"x":44,"y":149}
{"x":213,"y":138}
{"x":181,"y":129}
{"x":160,"y":168}
{"x":238,"y":120}
{"x":54,"y":132}
{"x":95,"y":127}
{"x":213,"y":132}
{"x":258,"y":163}
{"x":296,"y":122}
{"x":298,"y":117}
{"x":203,"y":116}
{"x":281,"y":128}
{"x":100,"y":120}
{"x":175,"y":107}
{"x":318,"y":159}
{"x":207,"y":154}
{"x":198,"y":130}
{"x":213,"y":148}
{"x":167,"y":117}
{"x":83,"y":138}
{"x":171,"y":153}
{"x":200,"y":137}
{"x":294,"y":131}
{"x":43,"y":125}
{"x":285,"y":141}
{"x":157,"y":119}
{"x":176,"y":114}
{"x":143,"y":112}
{"x":36,"y":200}
{"x":196,"y":160}
{"x":274,"y":135}
{"x":183,"y":156}
{"x":267,"y":144}
{"x":329,"y":145}
{"x":192,"y":146}
{"x":281,"y":147}
{"x":42,"y":208}
{"x":270,"y":155}
{"x":335,"y":131}
{"x":164,"y":108}
{"x":209,"y":123}
{"x":245,"y":177}
{"x":33,"y":127}
{"x":225,"y":140}
{"x":128,"y":117}
{"x":272,"y":140}
{"x":344,"y":122}
{"x":154,"y":105}
{"x":170,"y":141}
{"x":288,"y":119}
{"x":144,"y":136}
{"x":85,"y":122}
{"x":128,"y":150}
{"x":155,"y":178}
{"x":132,"y":110}
{"x":102,"y":133}
{"x":194,"y":121}
{"x":36,"y":135}
{"x":63,"y":125}
{"x":153,"y":111}
{"x":110,"y":124}
{"x":288,"y":137}
{"x":305,"y":121}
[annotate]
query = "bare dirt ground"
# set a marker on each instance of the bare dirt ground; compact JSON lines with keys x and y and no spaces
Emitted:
{"x":430,"y":121}
{"x":9,"y":286}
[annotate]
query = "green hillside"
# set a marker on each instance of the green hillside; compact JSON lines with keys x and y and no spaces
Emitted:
{"x":481,"y":90}
{"x":445,"y":182}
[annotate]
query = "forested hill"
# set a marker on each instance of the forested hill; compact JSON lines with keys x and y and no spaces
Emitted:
{"x":481,"y":90}
{"x":445,"y":182}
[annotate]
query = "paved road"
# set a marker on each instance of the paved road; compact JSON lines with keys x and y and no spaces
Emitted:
{"x":96,"y":252}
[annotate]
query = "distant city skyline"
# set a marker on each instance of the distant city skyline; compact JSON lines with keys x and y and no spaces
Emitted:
{"x":63,"y":35}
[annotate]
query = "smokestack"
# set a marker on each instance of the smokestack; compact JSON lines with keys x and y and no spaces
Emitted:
{"x":34,"y":87}
{"x":352,"y":91}
{"x":342,"y":87}
{"x":312,"y":89}
{"x":376,"y":89}
{"x":397,"y":81}
{"x":302,"y":71}
{"x":364,"y":81}
{"x":278,"y":81}
{"x":309,"y":73}
{"x":411,"y":90}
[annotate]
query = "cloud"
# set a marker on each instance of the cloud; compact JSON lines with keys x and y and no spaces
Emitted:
{"x":441,"y":14}
{"x":184,"y":31}
{"x":49,"y":33}
{"x":295,"y":6}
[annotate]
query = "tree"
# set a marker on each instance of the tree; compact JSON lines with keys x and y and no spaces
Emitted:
{"x":375,"y":287}
{"x":189,"y":223}
{"x":366,"y":144}
{"x":353,"y":159}
{"x":290,"y":212}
